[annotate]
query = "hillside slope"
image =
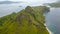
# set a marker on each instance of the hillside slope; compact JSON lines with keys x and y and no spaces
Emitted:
{"x":27,"y":21}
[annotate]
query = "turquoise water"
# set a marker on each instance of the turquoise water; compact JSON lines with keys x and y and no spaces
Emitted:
{"x":53,"y":20}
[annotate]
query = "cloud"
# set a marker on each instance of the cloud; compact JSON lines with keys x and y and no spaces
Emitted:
{"x":40,"y":1}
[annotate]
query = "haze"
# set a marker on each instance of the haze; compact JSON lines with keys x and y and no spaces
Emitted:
{"x":39,"y":1}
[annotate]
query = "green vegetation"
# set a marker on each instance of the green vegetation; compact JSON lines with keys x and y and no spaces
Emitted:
{"x":55,"y":4}
{"x":27,"y":21}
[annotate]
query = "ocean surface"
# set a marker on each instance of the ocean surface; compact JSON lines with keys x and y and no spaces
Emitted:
{"x":53,"y":20}
{"x":6,"y":9}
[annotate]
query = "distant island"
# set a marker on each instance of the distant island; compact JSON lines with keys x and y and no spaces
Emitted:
{"x":55,"y":4}
{"x":8,"y":2}
{"x":27,"y":21}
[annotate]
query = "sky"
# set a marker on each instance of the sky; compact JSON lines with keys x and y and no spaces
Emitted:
{"x":33,"y":0}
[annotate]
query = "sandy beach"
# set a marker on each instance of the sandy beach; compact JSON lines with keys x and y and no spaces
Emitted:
{"x":48,"y":30}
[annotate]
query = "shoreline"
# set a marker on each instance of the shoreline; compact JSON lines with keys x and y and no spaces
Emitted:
{"x":48,"y":30}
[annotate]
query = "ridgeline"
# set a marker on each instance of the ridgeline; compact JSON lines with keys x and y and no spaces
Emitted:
{"x":28,"y":21}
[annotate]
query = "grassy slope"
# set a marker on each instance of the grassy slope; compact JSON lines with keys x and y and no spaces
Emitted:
{"x":28,"y":21}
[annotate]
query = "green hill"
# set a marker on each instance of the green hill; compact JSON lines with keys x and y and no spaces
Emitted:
{"x":28,"y":21}
{"x":55,"y":4}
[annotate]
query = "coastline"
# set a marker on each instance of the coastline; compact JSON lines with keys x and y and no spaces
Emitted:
{"x":48,"y":30}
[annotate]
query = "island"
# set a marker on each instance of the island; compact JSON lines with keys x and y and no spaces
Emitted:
{"x":54,"y":4}
{"x":27,"y":21}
